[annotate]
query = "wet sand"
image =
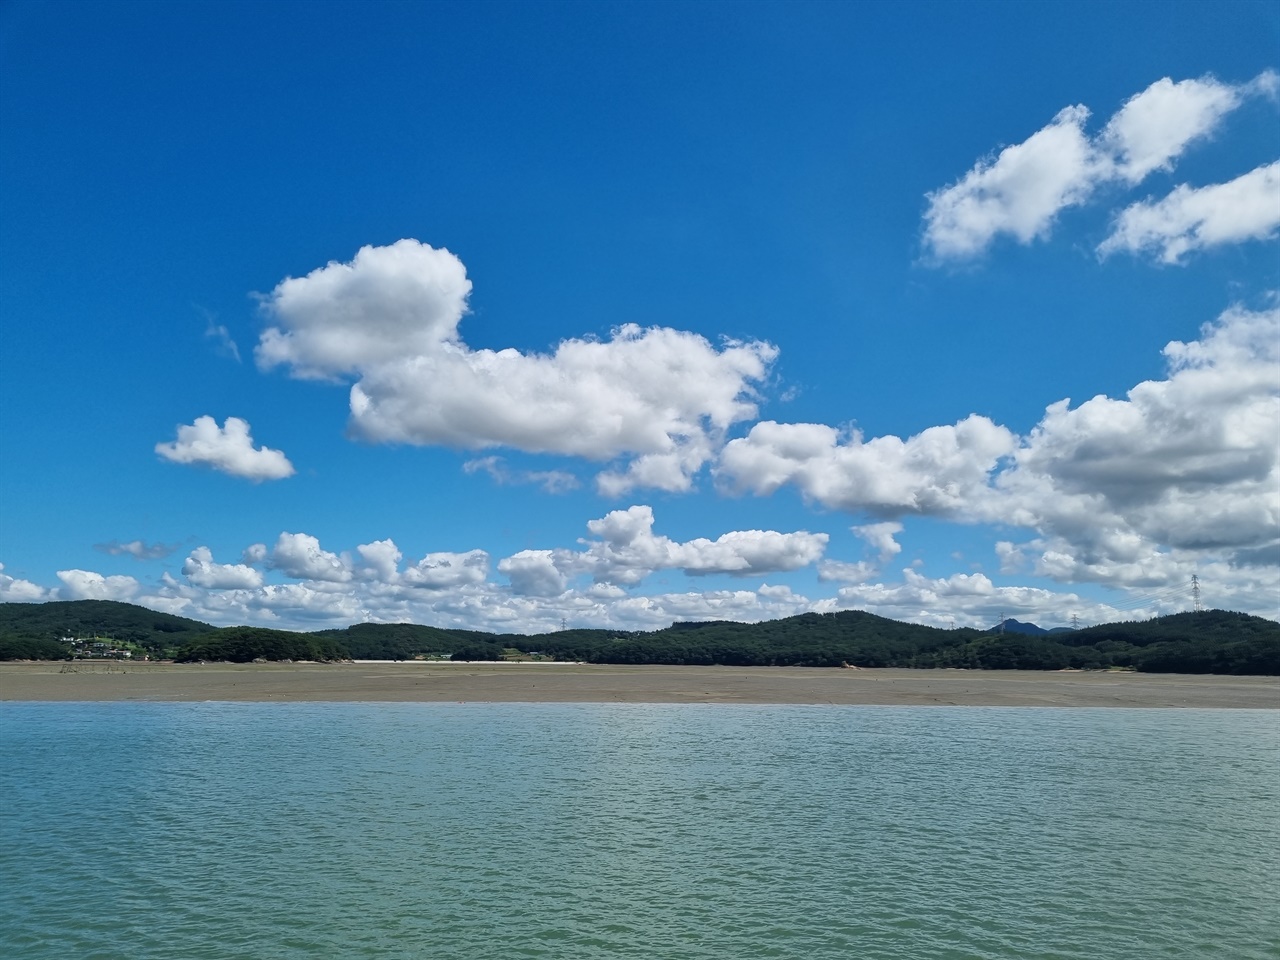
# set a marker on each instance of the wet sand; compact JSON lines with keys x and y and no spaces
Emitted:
{"x":587,"y":683}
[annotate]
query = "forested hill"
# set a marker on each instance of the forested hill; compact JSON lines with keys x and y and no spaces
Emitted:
{"x":34,"y":630}
{"x":1213,"y":641}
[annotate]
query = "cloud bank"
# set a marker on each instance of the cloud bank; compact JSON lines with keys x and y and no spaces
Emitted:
{"x":1119,"y":491}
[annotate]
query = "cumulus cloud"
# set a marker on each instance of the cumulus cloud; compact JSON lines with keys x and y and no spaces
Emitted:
{"x":842,"y":571}
{"x":1130,"y":491}
{"x":939,"y":471}
{"x":88,"y":585}
{"x":534,"y":573}
{"x":136,"y":549}
{"x":1188,"y":463}
{"x":389,"y":302}
{"x":382,"y":560}
{"x":201,"y":570}
{"x":228,"y":448}
{"x":1020,"y":191}
{"x":389,"y":320}
{"x":13,"y":590}
{"x":1156,"y":126}
{"x":299,"y":555}
{"x":627,"y":550}
{"x":624,"y":550}
{"x":881,"y":537}
{"x":1190,"y":219}
{"x":448,"y":571}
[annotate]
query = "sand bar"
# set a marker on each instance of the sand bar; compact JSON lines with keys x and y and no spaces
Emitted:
{"x":588,"y":683}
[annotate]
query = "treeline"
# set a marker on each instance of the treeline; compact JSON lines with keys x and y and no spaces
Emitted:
{"x":32,"y":648}
{"x":404,"y":641}
{"x":1213,"y":641}
{"x":246,"y":644}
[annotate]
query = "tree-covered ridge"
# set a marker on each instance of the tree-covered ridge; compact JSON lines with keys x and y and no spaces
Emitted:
{"x":1213,"y":641}
{"x":23,"y":625}
{"x":123,"y":621}
{"x":246,"y":644}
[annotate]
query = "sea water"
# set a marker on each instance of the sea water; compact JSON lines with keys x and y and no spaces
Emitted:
{"x":467,"y":831}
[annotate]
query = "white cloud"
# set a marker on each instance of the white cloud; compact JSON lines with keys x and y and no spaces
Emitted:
{"x":13,"y":590}
{"x":87,"y":585}
{"x":1020,"y":191}
{"x":1190,"y":219}
{"x":627,"y":550}
{"x":390,"y":319}
{"x":940,"y":471}
{"x":842,"y":571}
{"x":1189,"y":463}
{"x":970,"y":600}
{"x":382,"y":559}
{"x":228,"y":449}
{"x":300,"y":556}
{"x":389,"y":302}
{"x":1156,"y":126}
{"x":448,"y":571}
{"x":199,"y":568}
{"x":881,"y":537}
{"x":534,"y":573}
{"x":1131,"y":491}
{"x":300,"y":602}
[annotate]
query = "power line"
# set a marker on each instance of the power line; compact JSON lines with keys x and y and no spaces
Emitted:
{"x":1170,"y":593}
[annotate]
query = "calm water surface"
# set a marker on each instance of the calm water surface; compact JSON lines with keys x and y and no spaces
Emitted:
{"x":467,"y":831}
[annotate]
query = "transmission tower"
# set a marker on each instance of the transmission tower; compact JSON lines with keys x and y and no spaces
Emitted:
{"x":1002,"y":621}
{"x":564,"y":624}
{"x":1075,"y":622}
{"x":1195,"y":593}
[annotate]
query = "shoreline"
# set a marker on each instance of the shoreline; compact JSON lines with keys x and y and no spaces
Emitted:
{"x":438,"y":682}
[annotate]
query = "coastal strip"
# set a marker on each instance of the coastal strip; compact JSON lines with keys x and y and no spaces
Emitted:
{"x":599,"y":683}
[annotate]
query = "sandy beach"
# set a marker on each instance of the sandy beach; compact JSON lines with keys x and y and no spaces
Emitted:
{"x":588,"y":683}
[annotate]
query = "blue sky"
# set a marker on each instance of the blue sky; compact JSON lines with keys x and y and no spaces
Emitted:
{"x":499,"y":316}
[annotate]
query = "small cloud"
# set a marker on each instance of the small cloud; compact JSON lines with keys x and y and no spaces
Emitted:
{"x":137,"y":549}
{"x":1194,"y":218}
{"x":228,"y":449}
{"x":551,"y":481}
{"x":220,"y":335}
{"x":881,"y":537}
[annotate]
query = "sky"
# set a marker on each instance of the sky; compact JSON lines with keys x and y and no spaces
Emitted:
{"x":519,"y":316}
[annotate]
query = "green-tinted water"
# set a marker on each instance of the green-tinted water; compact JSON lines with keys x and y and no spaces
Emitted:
{"x":590,"y":831}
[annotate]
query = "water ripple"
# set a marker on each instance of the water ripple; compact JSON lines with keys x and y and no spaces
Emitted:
{"x":685,"y":832}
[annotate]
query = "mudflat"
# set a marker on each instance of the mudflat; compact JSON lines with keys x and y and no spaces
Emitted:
{"x":592,"y":683}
